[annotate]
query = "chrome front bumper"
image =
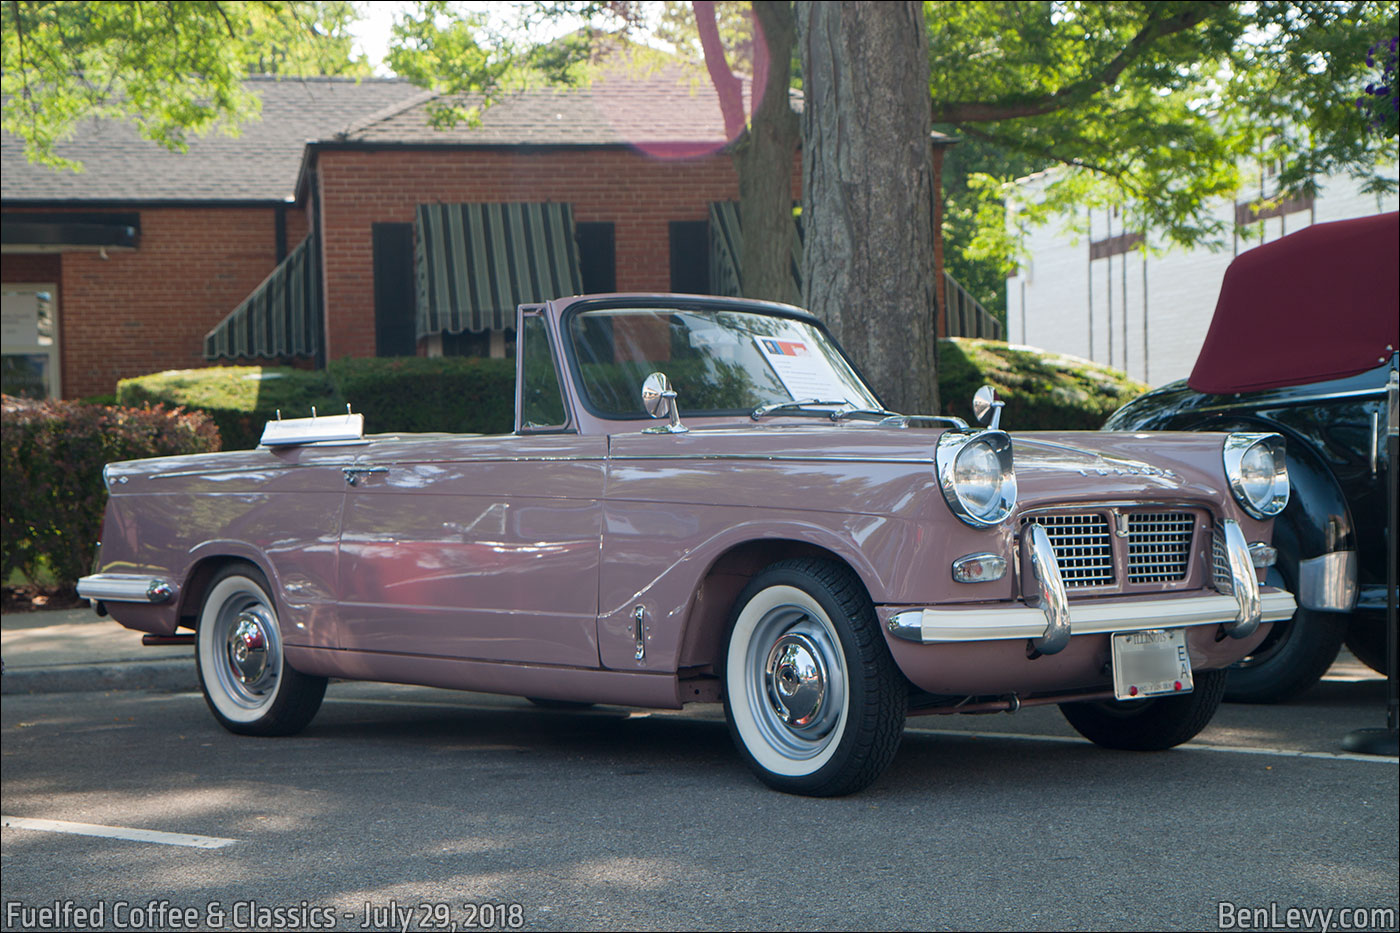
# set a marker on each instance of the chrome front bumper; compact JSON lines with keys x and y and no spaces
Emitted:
{"x":1047,"y":620}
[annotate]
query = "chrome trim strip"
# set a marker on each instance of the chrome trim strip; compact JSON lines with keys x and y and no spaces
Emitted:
{"x":1244,"y":585}
{"x":1253,"y":403}
{"x":1050,"y":589}
{"x":814,"y":458}
{"x":127,"y":588}
{"x":955,"y":624}
{"x":308,"y":466}
{"x":1328,"y":582}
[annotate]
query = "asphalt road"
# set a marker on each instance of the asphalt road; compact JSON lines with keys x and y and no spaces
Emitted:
{"x":458,"y":807}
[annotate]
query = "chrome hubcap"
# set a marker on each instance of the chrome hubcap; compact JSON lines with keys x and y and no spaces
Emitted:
{"x":795,"y":677}
{"x":248,"y":646}
{"x":796,"y":682}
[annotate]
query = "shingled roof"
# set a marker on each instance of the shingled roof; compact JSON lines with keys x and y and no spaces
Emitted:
{"x":672,"y":111}
{"x":260,"y":164}
{"x":672,"y":108}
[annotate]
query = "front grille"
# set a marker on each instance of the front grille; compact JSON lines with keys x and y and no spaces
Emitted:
{"x":1220,"y":563}
{"x":1121,"y":548}
{"x":1159,"y":546}
{"x":1083,"y":548}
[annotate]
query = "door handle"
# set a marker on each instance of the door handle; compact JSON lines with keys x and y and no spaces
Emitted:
{"x":353,"y":473}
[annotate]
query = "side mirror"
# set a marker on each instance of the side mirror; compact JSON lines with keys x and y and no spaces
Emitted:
{"x":659,"y":399}
{"x":987,"y":407}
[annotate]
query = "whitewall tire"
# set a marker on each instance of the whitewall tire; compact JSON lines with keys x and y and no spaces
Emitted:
{"x":813,"y":699}
{"x":246,"y":680}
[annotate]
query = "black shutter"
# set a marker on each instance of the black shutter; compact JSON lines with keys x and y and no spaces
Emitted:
{"x":597,"y":256}
{"x":690,"y":256}
{"x":394,"y":290}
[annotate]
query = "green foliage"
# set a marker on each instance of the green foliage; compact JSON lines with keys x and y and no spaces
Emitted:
{"x":473,"y":57}
{"x":1042,"y":390}
{"x":171,"y":67}
{"x":1150,"y":107}
{"x":53,"y":454}
{"x":409,"y":394}
{"x":457,"y":394}
{"x":239,"y":399}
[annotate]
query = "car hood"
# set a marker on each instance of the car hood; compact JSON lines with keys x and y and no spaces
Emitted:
{"x":1049,"y":465}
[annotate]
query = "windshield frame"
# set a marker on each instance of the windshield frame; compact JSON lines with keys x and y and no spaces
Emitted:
{"x":694,"y":303}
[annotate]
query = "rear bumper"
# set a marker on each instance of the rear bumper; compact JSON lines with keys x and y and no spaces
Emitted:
{"x":127,"y":588}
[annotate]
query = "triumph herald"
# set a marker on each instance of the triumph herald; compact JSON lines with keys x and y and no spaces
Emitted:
{"x":702,"y":501}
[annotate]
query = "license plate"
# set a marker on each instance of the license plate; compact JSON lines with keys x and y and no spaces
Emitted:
{"x":1151,"y":663}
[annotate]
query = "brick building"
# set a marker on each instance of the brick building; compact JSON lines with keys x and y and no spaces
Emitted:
{"x":343,"y":224}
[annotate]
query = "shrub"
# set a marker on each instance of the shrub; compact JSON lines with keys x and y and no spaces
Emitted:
{"x":456,"y":394}
{"x":239,"y":398}
{"x":52,"y":455}
{"x":1042,"y":390}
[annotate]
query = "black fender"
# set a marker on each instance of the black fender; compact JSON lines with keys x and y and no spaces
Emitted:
{"x":1317,"y":519}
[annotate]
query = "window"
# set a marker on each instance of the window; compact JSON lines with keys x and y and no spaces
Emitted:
{"x":29,"y":314}
{"x":542,"y":400}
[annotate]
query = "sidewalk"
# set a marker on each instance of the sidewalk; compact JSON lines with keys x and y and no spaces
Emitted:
{"x":69,"y":650}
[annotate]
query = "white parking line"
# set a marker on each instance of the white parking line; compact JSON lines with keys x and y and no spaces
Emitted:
{"x":1194,"y":746}
{"x":117,"y":832}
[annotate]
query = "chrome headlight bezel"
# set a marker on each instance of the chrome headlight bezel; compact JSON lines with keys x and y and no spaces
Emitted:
{"x":1273,"y":499}
{"x":955,"y":444}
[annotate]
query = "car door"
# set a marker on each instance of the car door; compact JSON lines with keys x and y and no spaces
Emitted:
{"x":482,"y":548}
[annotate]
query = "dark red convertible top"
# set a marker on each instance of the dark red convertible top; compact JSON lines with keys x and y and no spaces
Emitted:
{"x":1322,"y":303}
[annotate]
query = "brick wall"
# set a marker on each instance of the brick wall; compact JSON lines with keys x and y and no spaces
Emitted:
{"x":147,"y":310}
{"x":637,"y":193}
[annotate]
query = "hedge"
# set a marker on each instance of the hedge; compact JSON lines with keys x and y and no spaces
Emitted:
{"x":1042,"y":390}
{"x":238,"y":398}
{"x":471,"y":395}
{"x":462,"y":395}
{"x":52,"y":454}
{"x":457,"y":394}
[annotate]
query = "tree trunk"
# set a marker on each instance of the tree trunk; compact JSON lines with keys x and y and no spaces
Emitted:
{"x":764,"y":160}
{"x":867,"y":189}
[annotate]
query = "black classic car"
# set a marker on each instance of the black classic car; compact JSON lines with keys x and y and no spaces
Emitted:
{"x":1303,"y":343}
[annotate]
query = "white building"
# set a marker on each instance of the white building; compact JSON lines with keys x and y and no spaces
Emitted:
{"x":1102,"y":298}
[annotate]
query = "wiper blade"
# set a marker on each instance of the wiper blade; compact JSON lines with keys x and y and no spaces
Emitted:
{"x":798,"y":404}
{"x":864,"y":414}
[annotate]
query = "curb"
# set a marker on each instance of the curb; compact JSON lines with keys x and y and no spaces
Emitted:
{"x":173,"y":676}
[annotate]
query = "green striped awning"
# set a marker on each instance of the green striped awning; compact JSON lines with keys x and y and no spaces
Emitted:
{"x":279,"y":318}
{"x":727,"y":247}
{"x":477,"y":262}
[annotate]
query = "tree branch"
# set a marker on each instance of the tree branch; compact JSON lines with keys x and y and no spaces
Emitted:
{"x":961,"y":112}
{"x":729,"y":88}
{"x":1117,"y":174}
{"x":219,"y":8}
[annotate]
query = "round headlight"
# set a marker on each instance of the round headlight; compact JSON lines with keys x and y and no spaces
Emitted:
{"x":976,"y":475}
{"x":1256,"y":467}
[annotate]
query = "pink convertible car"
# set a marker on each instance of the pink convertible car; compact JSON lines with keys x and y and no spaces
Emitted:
{"x":703,"y":502}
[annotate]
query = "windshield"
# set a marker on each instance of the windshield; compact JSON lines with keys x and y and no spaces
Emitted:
{"x":718,"y":362}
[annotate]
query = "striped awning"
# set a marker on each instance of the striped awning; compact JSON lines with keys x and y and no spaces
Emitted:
{"x":477,"y":262}
{"x":727,"y":247}
{"x":279,"y":319}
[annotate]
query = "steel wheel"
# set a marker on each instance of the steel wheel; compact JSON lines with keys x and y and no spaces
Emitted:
{"x":238,"y":650}
{"x":812,"y":698}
